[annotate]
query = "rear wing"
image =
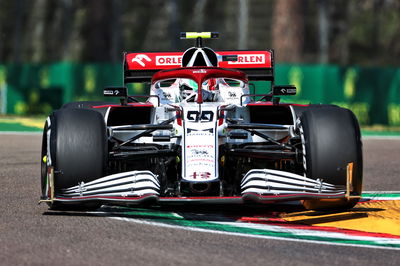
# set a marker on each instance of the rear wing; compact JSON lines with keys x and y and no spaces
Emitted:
{"x":140,"y":67}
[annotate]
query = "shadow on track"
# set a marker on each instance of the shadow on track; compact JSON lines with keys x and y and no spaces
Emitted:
{"x":266,"y":214}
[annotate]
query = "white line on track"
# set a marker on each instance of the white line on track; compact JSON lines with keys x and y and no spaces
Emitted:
{"x":20,"y":133}
{"x":381,"y":192}
{"x":381,"y":137}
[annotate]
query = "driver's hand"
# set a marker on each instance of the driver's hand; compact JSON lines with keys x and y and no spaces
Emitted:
{"x":208,"y":96}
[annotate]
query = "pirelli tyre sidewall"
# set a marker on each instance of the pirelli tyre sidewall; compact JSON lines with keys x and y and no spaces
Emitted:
{"x":77,"y":147}
{"x":331,"y":139}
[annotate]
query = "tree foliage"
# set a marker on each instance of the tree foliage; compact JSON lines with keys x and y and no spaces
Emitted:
{"x":364,"y":32}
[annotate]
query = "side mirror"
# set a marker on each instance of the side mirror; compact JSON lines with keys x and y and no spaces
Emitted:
{"x":284,"y":90}
{"x":229,"y":58}
{"x":115,"y":92}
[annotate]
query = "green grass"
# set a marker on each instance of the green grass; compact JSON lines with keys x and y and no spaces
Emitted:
{"x":4,"y":127}
{"x":22,"y":124}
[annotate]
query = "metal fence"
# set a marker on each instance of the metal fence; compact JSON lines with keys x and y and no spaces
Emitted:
{"x":372,"y":93}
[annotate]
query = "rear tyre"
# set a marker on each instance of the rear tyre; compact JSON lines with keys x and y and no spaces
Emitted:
{"x":75,"y":144}
{"x":331,"y":139}
{"x":97,"y":106}
{"x":85,"y":104}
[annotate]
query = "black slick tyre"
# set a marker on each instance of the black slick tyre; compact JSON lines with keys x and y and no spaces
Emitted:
{"x":85,"y":104}
{"x":97,"y":106}
{"x":75,"y":145}
{"x":331,"y":140}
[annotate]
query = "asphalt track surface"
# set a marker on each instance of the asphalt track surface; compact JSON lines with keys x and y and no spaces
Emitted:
{"x":30,"y":234}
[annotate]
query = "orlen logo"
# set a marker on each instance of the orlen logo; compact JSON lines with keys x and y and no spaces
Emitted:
{"x":139,"y":59}
{"x":169,"y":60}
{"x":249,"y":59}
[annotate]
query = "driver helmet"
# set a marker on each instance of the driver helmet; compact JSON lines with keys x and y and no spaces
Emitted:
{"x":187,"y":87}
{"x":210,"y":89}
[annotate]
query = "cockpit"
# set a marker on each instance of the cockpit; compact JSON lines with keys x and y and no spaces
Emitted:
{"x":180,"y":90}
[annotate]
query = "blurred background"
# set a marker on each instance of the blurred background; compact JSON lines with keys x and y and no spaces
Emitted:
{"x":341,"y":52}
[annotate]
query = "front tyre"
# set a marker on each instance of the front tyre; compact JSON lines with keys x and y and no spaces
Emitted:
{"x":75,"y":145}
{"x":331,"y":139}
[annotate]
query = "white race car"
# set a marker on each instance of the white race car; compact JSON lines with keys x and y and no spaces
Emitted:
{"x":201,"y":136}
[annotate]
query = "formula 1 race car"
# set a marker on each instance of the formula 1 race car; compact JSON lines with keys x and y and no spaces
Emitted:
{"x":201,"y":136}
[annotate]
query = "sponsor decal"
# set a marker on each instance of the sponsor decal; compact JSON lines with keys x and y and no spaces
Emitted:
{"x":194,"y":161}
{"x":200,"y":146}
{"x":200,"y":141}
{"x":168,"y":60}
{"x":200,"y":71}
{"x":81,"y":188}
{"x":249,"y":59}
{"x":139,"y":59}
{"x":289,"y":91}
{"x":199,"y":132}
{"x":108,"y":92}
{"x":175,"y":60}
{"x":196,"y":116}
{"x":232,"y":94}
{"x":167,"y":95}
{"x":115,"y":92}
{"x":202,"y":175}
{"x":199,"y":152}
